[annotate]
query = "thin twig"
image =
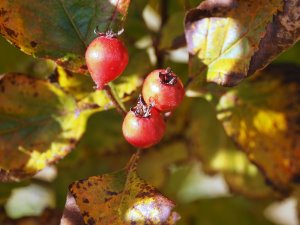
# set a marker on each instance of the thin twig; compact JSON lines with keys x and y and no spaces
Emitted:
{"x":113,"y":98}
{"x":187,"y":4}
{"x":189,"y":80}
{"x":132,"y":163}
{"x":164,"y":12}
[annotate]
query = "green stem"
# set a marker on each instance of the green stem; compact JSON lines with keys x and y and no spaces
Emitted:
{"x":113,"y":96}
{"x":112,"y":86}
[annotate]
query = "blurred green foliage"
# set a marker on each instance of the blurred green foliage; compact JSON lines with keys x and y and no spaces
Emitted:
{"x":197,"y":164}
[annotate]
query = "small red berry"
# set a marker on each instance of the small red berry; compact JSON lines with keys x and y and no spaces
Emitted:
{"x":143,"y":126}
{"x":106,"y":58}
{"x":163,"y":88}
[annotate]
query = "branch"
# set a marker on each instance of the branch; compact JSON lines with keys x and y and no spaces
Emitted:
{"x":187,"y":5}
{"x":160,"y":54}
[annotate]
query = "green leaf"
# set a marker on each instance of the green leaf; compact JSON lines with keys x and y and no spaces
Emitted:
{"x":175,"y":6}
{"x":39,"y":125}
{"x":173,"y":31}
{"x":290,"y":56}
{"x":102,"y":149}
{"x":222,"y":37}
{"x":157,"y":171}
{"x":119,"y":198}
{"x":13,"y":60}
{"x":134,"y":22}
{"x":261,"y":116}
{"x":59,"y":30}
{"x":223,"y":211}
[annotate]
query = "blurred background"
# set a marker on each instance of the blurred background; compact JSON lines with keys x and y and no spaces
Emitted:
{"x":196,"y":165}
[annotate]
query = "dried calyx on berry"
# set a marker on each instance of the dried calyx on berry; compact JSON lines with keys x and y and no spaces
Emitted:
{"x":168,"y":77}
{"x":142,"y":109}
{"x":109,"y":33}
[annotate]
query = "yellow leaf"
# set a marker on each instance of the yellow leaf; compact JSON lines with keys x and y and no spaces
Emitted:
{"x":261,"y":116}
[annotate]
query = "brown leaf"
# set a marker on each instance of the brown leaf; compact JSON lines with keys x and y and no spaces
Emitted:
{"x":117,"y":198}
{"x":71,"y":214}
{"x":281,"y":34}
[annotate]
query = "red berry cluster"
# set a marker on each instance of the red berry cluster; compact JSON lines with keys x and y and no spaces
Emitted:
{"x":143,"y":126}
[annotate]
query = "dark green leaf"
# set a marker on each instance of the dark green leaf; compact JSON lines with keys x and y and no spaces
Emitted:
{"x":59,"y":30}
{"x":219,"y":211}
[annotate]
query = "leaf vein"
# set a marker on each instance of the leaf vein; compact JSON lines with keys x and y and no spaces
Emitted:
{"x":72,"y":22}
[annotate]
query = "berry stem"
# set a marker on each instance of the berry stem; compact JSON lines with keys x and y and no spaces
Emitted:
{"x":112,"y":86}
{"x":133,"y":161}
{"x":111,"y":94}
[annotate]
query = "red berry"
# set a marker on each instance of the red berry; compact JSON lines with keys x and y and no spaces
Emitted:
{"x":143,"y":126}
{"x":106,"y":58}
{"x":164,"y":89}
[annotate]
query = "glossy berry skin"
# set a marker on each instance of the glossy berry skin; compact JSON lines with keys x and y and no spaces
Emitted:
{"x":143,"y":132}
{"x":166,"y":97}
{"x":106,"y":58}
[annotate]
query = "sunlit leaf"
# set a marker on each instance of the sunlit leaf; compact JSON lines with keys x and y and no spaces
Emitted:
{"x":222,"y":37}
{"x":59,"y":30}
{"x":39,"y":125}
{"x":120,"y":198}
{"x":262,"y":116}
{"x":75,"y":84}
{"x":209,"y":143}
